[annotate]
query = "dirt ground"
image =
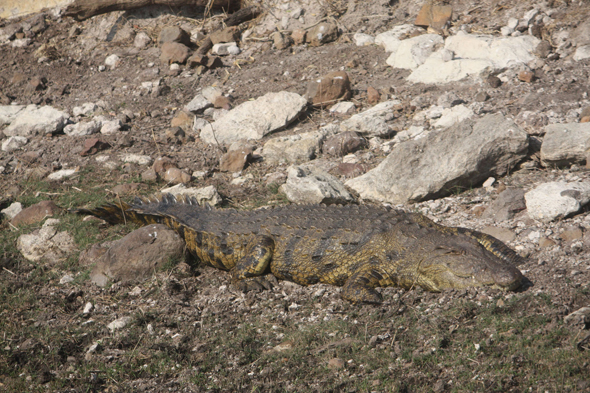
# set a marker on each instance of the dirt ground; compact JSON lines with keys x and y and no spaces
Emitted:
{"x":189,"y":329}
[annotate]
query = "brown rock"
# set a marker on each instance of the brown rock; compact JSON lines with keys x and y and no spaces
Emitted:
{"x":149,"y":175}
{"x":585,"y":119}
{"x":222,"y":102}
{"x":543,"y":49}
{"x":344,"y":143}
{"x":546,"y":242}
{"x":196,"y":60}
{"x":214,"y":62}
{"x":174,"y":34}
{"x":526,"y":76}
{"x":138,"y":255}
{"x":434,"y":16}
{"x":93,"y":146}
{"x":162,"y":164}
{"x":127,"y":188}
{"x":494,"y":81}
{"x":229,"y":34}
{"x":323,"y":33}
{"x":37,"y":83}
{"x":373,"y":95}
{"x":173,"y":52}
{"x":281,"y":40}
{"x":330,"y":89}
{"x":585,"y":112}
{"x":351,"y":170}
{"x":571,"y":233}
{"x":299,"y":36}
{"x":477,"y":211}
{"x":235,"y":160}
{"x":336,"y":364}
{"x":183,"y":120}
{"x":175,"y":176}
{"x":176,"y":135}
{"x":36,"y":213}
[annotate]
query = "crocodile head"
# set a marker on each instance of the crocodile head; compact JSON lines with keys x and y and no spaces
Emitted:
{"x":462,"y":267}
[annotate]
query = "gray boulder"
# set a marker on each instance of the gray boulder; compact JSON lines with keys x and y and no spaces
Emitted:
{"x":311,"y":185}
{"x":565,"y":144}
{"x":459,"y":157}
{"x":555,"y":200}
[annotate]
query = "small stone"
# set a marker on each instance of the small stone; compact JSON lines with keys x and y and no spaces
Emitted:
{"x":526,"y":76}
{"x":336,"y":364}
{"x":112,"y":61}
{"x":571,"y":234}
{"x":173,"y":52}
{"x":343,"y":108}
{"x":434,"y":16}
{"x":175,"y":176}
{"x":183,"y":120}
{"x":321,"y":34}
{"x":229,"y":34}
{"x":494,"y":81}
{"x":198,"y":104}
{"x":11,"y":211}
{"x":62,"y":174}
{"x":36,"y":213}
{"x":373,"y":95}
{"x":66,"y":279}
{"x":545,"y":242}
{"x":149,"y":175}
{"x":137,"y":159}
{"x":280,"y":40}
{"x":224,"y":49}
{"x":331,"y":88}
{"x":88,"y":307}
{"x":236,"y":160}
{"x":482,"y":96}
{"x":110,"y":127}
{"x":126,"y":188}
{"x":14,"y":143}
{"x":173,"y":34}
{"x":119,"y":323}
{"x":299,"y":36}
{"x":141,"y":40}
{"x":222,"y":102}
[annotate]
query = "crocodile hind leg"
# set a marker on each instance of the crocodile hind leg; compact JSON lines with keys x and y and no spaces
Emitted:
{"x":360,"y":287}
{"x":248,"y":274}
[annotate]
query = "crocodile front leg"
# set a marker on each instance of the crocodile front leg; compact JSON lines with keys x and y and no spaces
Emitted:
{"x":360,"y":287}
{"x":248,"y":273}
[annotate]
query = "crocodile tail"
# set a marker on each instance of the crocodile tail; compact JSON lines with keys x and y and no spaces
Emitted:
{"x":111,"y":213}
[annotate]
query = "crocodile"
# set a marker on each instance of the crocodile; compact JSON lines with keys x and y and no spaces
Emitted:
{"x":357,"y":247}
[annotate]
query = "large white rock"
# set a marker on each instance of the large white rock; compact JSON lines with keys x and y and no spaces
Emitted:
{"x":204,"y":195}
{"x":452,"y":116}
{"x":414,"y":51}
{"x":311,"y":185}
{"x":474,"y":56}
{"x":390,"y":39}
{"x":36,"y":120}
{"x":582,"y":53}
{"x":293,"y":148}
{"x":554,"y":200}
{"x":372,"y":121}
{"x":14,"y":143}
{"x":255,"y":119}
{"x":440,"y":163}
{"x":8,"y":113}
{"x":565,"y":144}
{"x":46,"y":244}
{"x":83,"y":128}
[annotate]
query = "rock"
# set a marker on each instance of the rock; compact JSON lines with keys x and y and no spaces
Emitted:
{"x":526,"y":76}
{"x":582,"y":53}
{"x":175,"y":176}
{"x":183,"y":120}
{"x":174,"y":34}
{"x":62,"y":174}
{"x":162,"y":164}
{"x":414,"y":51}
{"x":565,"y":144}
{"x":142,"y":40}
{"x":371,"y":122}
{"x":361,"y":39}
{"x":461,"y":156}
{"x":494,"y":81}
{"x":556,"y":200}
{"x":299,"y":36}
{"x":350,"y":170}
{"x":14,"y":143}
{"x":206,"y":195}
{"x":224,"y":49}
{"x":11,"y":211}
{"x":571,"y":233}
{"x":236,"y":160}
{"x":322,"y":33}
{"x":119,"y":323}
{"x":198,"y":104}
{"x":434,"y":16}
{"x":211,"y":93}
{"x":373,"y":96}
{"x":452,"y":116}
{"x":35,"y":120}
{"x":508,"y":203}
{"x":46,"y":244}
{"x":222,"y":102}
{"x":543,"y":49}
{"x":149,"y":175}
{"x":255,"y":119}
{"x":336,"y":364}
{"x":112,"y":61}
{"x":503,"y":234}
{"x":36,"y":213}
{"x":308,"y":185}
{"x":66,"y":279}
{"x":93,"y":146}
{"x":293,"y":148}
{"x":344,"y":143}
{"x":85,"y":109}
{"x":391,"y":39}
{"x":110,"y":127}
{"x":580,"y":317}
{"x":127,"y":188}
{"x":83,"y":129}
{"x":8,"y":113}
{"x":173,"y":52}
{"x":138,"y":255}
{"x":136,"y":159}
{"x":229,"y":34}
{"x":329,"y":89}
{"x":343,"y":108}
{"x":280,"y":40}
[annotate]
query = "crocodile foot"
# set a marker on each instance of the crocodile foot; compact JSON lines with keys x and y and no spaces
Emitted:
{"x":257,"y":284}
